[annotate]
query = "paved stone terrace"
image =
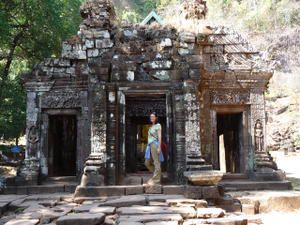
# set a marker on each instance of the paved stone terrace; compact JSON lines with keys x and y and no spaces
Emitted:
{"x":152,"y":209}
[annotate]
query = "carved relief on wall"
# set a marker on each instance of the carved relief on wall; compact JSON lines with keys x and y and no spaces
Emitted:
{"x":259,"y":136}
{"x":33,"y":139}
{"x":61,"y":100}
{"x":141,"y":109}
{"x":229,"y":97}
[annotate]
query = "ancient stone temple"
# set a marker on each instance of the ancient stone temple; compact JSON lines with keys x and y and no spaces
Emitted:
{"x":88,"y":111}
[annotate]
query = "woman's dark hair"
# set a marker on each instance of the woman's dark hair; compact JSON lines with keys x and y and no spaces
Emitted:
{"x":155,"y":114}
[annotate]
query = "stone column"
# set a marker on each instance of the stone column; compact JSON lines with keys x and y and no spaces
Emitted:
{"x":192,"y":128}
{"x":29,"y":171}
{"x":93,"y":174}
{"x":202,"y":179}
{"x":264,"y":166}
{"x":111,"y":135}
{"x":179,"y":137}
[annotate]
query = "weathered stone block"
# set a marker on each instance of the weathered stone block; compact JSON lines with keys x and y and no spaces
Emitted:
{"x":161,"y":74}
{"x":150,"y":218}
{"x":23,"y":222}
{"x":89,"y":43}
{"x":126,"y":201}
{"x":101,"y":34}
{"x":134,"y":190}
{"x":106,"y":210}
{"x":159,"y":64}
{"x":187,"y":37}
{"x":92,"y":52}
{"x":104,"y":43}
{"x":210,"y":192}
{"x":210,"y":212}
{"x":194,"y":192}
{"x":167,"y":42}
{"x":99,"y":191}
{"x":153,"y":189}
{"x":173,"y":189}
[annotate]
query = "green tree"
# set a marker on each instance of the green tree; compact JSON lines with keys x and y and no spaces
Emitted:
{"x":29,"y":31}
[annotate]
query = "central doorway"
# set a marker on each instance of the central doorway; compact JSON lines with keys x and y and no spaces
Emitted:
{"x":230,"y":137}
{"x":62,"y":141}
{"x":138,"y":110}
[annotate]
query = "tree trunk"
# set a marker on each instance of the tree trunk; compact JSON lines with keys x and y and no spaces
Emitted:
{"x":9,"y":60}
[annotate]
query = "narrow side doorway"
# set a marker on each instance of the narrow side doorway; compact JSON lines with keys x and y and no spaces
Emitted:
{"x":230,"y":138}
{"x":62,"y":145}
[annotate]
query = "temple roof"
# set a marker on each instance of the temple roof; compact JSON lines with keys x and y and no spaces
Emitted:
{"x":152,"y":16}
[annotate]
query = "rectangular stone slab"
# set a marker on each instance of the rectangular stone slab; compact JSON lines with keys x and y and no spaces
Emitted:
{"x":151,"y":218}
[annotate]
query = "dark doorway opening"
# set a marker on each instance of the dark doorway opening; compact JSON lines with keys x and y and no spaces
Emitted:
{"x":229,"y":131}
{"x":62,"y":145}
{"x":137,"y":124}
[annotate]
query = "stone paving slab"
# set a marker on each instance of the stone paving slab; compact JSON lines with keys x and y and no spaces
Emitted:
{"x":210,"y":212}
{"x":142,"y":210}
{"x":150,"y":218}
{"x":23,"y":222}
{"x":163,"y":223}
{"x":81,"y":219}
{"x":104,"y":209}
{"x":126,"y":201}
{"x":185,"y":201}
{"x":162,"y":197}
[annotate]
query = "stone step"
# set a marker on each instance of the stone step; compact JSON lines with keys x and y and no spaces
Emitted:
{"x":62,"y":179}
{"x":243,"y":185}
{"x":199,"y":167}
{"x":235,"y":176}
{"x":40,"y":189}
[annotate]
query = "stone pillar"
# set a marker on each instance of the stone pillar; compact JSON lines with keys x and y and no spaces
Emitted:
{"x":198,"y":173}
{"x":192,"y":128}
{"x":180,"y":156}
{"x":93,"y":174}
{"x":111,"y":135}
{"x":264,"y":166}
{"x":29,"y":170}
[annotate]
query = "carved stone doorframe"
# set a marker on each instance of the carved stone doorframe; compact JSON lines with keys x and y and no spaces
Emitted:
{"x":44,"y":153}
{"x":121,"y":111}
{"x":246,"y":152}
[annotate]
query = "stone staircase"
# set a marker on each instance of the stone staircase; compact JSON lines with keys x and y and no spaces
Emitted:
{"x":241,"y":182}
{"x":51,"y":185}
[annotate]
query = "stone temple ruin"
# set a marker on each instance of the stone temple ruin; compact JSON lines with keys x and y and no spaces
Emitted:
{"x":88,"y":110}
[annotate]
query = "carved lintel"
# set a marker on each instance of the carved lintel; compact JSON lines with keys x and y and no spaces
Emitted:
{"x":142,"y":109}
{"x":219,"y":97}
{"x":61,"y":100}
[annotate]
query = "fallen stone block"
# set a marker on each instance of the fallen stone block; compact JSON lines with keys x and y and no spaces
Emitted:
{"x":81,"y":219}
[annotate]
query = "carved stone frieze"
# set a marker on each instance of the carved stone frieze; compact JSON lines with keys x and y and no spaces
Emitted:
{"x":219,"y":97}
{"x":61,"y":100}
{"x":142,"y":109}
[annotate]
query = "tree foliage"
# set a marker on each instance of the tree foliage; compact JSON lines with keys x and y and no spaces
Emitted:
{"x":29,"y":31}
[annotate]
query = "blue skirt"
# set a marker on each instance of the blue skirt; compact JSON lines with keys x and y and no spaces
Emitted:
{"x":148,"y":152}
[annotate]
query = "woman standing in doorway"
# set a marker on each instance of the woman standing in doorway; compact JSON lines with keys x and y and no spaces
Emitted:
{"x":153,"y":155}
